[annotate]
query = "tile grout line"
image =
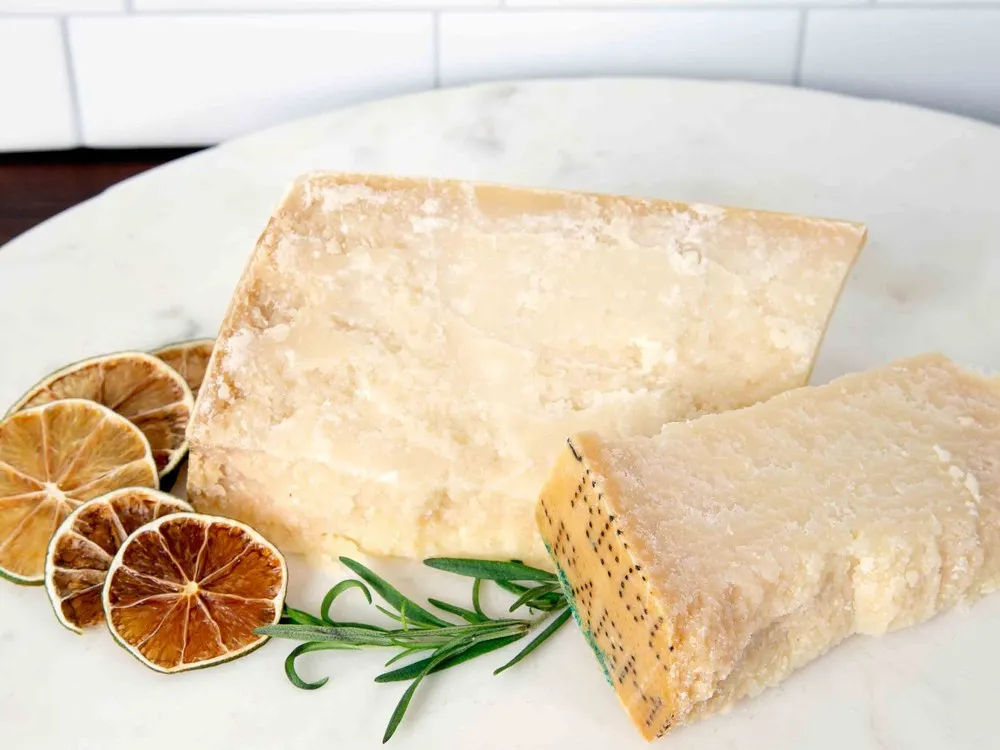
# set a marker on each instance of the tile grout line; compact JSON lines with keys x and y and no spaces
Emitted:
{"x":436,"y":36}
{"x":610,"y":6}
{"x":800,"y":47}
{"x":74,"y":96}
{"x":657,"y":6}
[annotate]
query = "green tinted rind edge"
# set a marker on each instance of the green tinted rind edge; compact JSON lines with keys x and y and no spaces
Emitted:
{"x":588,"y":634}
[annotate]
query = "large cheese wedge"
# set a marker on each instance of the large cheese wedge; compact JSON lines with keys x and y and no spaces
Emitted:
{"x":403,"y":358}
{"x":711,"y":560}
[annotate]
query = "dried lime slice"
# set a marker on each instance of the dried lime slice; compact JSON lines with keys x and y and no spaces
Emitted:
{"x":188,"y":591}
{"x":82,"y":548}
{"x":190,"y":359}
{"x":142,"y":388}
{"x":53,"y":458}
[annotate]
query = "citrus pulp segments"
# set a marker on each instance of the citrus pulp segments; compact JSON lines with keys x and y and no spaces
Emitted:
{"x":53,"y":458}
{"x":139,"y":386}
{"x":82,"y":548}
{"x":190,"y":359}
{"x":187,"y":591}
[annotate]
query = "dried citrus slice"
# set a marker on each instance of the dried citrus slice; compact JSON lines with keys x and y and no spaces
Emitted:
{"x":82,"y":548}
{"x":187,"y":591}
{"x":139,"y":386}
{"x":190,"y":359}
{"x":52,"y":459}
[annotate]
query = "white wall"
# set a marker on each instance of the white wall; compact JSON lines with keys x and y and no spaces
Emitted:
{"x":115,"y":73}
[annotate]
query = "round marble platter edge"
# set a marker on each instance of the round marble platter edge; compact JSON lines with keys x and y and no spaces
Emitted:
{"x":155,"y":259}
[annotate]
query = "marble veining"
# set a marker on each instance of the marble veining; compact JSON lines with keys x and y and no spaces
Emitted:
{"x":156,"y":259}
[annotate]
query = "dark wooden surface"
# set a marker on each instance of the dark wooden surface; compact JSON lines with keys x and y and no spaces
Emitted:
{"x":35,"y":186}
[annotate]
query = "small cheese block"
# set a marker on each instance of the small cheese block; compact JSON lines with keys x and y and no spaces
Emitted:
{"x":711,"y":560}
{"x":404,"y":358}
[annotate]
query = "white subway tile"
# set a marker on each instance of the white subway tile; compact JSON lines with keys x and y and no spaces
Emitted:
{"x":200,"y":79}
{"x":747,"y":45}
{"x":283,"y":5}
{"x":36,"y":110}
{"x":943,"y":58}
{"x":61,"y":6}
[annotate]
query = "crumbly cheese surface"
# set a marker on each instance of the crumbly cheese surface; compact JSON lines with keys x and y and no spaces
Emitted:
{"x":404,"y":358}
{"x":709,"y":561}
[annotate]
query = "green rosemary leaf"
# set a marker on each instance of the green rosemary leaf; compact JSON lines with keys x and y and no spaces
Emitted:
{"x":304,"y":618}
{"x":305,"y":648}
{"x":514,"y":588}
{"x":349,"y":635}
{"x":402,"y":655}
{"x":340,"y":588}
{"x":389,"y":613}
{"x":492,"y":570}
{"x":422,"y":645}
{"x":410,"y":671}
{"x":534,"y":594}
{"x":405,"y":623}
{"x":551,"y":602}
{"x":453,"y":609}
{"x":414,"y":611}
{"x":291,"y":616}
{"x":397,"y":715}
{"x":547,"y":603}
{"x":557,"y":623}
{"x":476,"y":586}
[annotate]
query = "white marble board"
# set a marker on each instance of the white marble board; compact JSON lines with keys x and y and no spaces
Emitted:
{"x":156,"y":258}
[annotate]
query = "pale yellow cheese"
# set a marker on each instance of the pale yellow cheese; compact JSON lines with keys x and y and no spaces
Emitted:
{"x":711,"y":560}
{"x":404,"y":358}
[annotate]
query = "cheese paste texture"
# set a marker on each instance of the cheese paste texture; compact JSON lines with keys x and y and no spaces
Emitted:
{"x":403,"y":359}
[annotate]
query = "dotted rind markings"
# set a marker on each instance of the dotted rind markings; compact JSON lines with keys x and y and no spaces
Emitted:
{"x":572,"y":449}
{"x":654,"y":708}
{"x":582,"y":513}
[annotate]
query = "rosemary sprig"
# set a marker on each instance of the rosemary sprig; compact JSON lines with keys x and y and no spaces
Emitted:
{"x":416,"y":630}
{"x":491,"y":570}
